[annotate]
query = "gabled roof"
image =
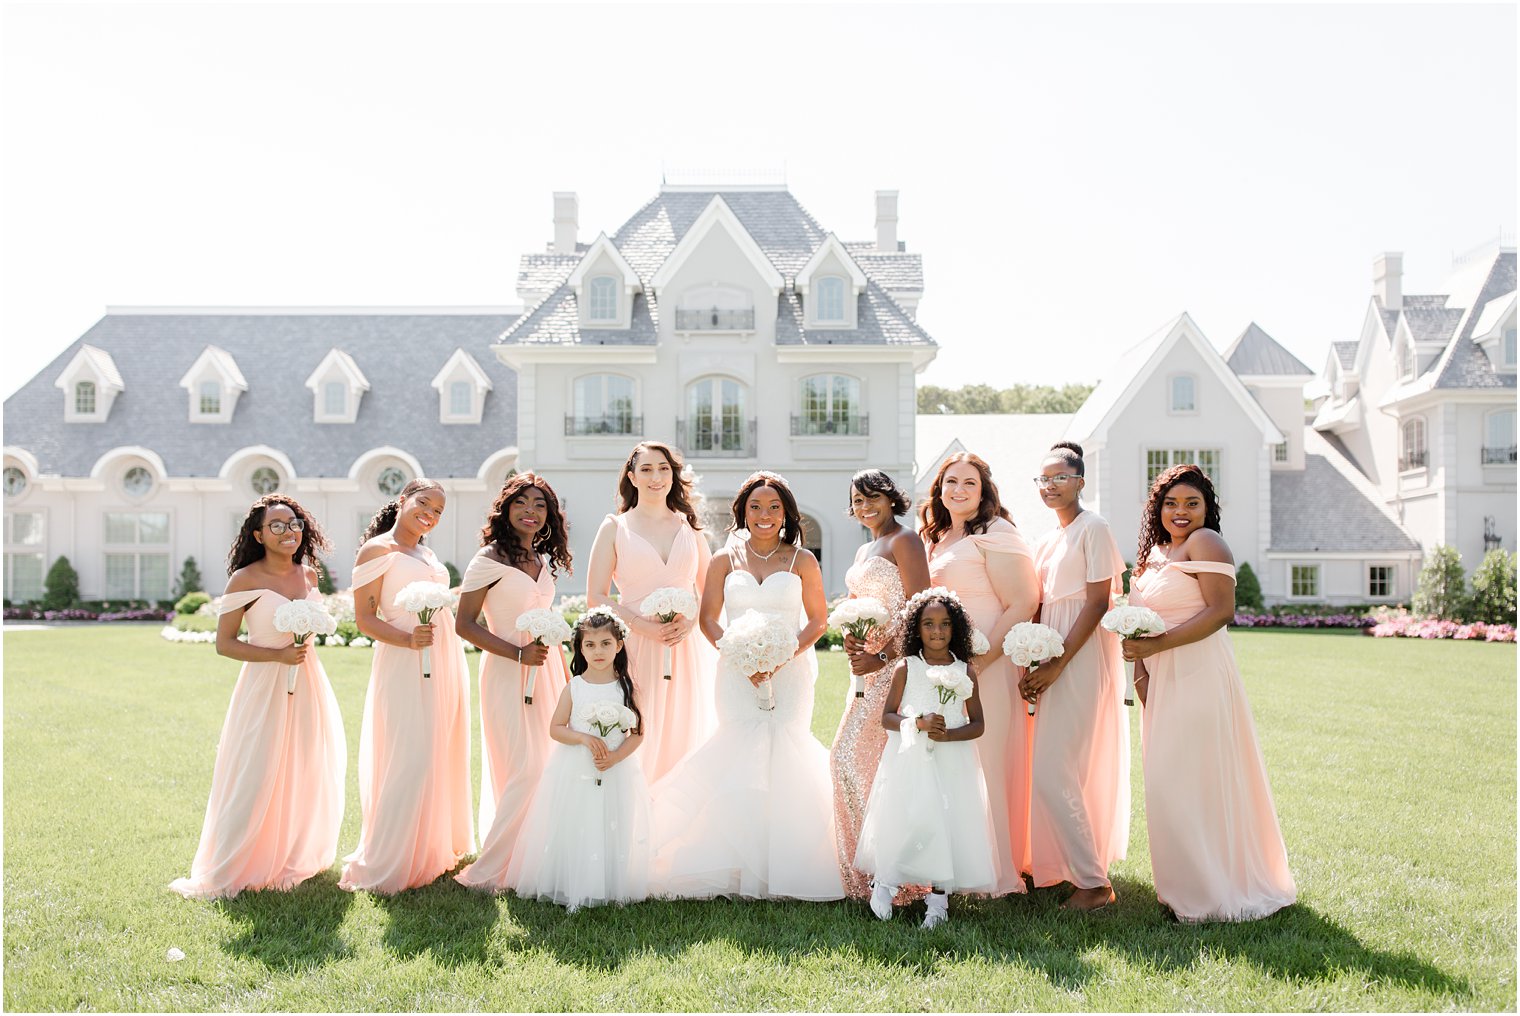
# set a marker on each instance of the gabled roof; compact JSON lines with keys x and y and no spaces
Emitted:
{"x":599,"y":247}
{"x":1254,"y":353}
{"x":717,"y":215}
{"x":1345,"y":354}
{"x":1330,"y":506}
{"x":830,"y":246}
{"x":1012,"y":445}
{"x":94,"y":359}
{"x":1120,"y":385}
{"x":337,"y":360}
{"x":468,"y":363}
{"x":1493,"y":314}
{"x":220,"y":361}
{"x":1463,"y":364}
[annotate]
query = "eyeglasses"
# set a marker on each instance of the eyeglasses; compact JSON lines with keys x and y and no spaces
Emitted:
{"x":279,"y":528}
{"x":1058,"y":480}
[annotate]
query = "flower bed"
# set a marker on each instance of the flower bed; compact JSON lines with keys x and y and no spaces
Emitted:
{"x":1434,"y":628}
{"x":80,"y":614}
{"x":1302,"y":621}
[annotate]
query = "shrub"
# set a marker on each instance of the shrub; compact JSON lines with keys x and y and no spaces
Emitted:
{"x":191,"y":602}
{"x":454,"y":577}
{"x":61,"y":587}
{"x":189,"y":581}
{"x":194,"y":622}
{"x":1493,"y":588}
{"x":1442,"y":590}
{"x":1247,"y":588}
{"x":325,"y":584}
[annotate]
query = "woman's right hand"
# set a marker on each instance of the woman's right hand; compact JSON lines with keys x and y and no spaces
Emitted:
{"x":294,"y":655}
{"x":933,"y":724}
{"x":758,"y":679}
{"x":533,"y":654}
{"x":865,"y":663}
{"x":422,"y":636}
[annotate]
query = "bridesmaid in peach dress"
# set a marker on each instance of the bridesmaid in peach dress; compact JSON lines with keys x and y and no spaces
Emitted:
{"x":524,"y":543}
{"x":277,"y":787}
{"x":890,"y":568}
{"x":975,"y":550}
{"x":1079,"y":810}
{"x":1217,"y":852}
{"x":652,"y":542}
{"x":414,"y":747}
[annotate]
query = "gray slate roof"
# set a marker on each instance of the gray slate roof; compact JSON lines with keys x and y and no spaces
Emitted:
{"x":785,"y":233}
{"x":1325,"y":507}
{"x":541,"y":273}
{"x":1257,"y":353}
{"x":398,"y":353}
{"x":1345,"y":352}
{"x":1431,"y":323}
{"x":1465,"y":364}
{"x":896,"y":271}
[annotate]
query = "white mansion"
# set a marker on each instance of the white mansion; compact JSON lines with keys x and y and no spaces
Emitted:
{"x":729,"y":322}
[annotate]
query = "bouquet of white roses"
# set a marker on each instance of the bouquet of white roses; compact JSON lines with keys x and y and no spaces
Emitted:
{"x":951,"y":684}
{"x":1129,"y":622}
{"x":424,"y":599}
{"x":979,"y":643}
{"x":758,"y":644}
{"x":857,"y":616}
{"x":606,"y":716}
{"x":1029,"y":644}
{"x":547,"y":627}
{"x":665,"y":603}
{"x":302,"y":619}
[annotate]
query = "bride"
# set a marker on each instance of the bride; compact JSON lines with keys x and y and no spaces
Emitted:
{"x":750,"y":813}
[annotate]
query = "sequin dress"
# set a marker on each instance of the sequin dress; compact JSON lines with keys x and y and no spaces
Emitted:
{"x":859,"y":741}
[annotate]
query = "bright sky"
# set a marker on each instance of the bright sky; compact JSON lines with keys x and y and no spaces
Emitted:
{"x":1074,"y":176}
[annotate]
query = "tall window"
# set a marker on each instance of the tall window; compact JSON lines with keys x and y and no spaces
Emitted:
{"x":461,"y":398}
{"x":1499,"y":438}
{"x":84,"y":397}
{"x":137,"y":555}
{"x":1280,"y":452}
{"x":1379,"y":581}
{"x":210,"y":398}
{"x":602,"y":404}
{"x":1406,"y":359}
{"x":829,"y":292}
{"x":715,"y":416}
{"x":1184,"y":396}
{"x":603,"y":292}
{"x":1159,"y":460}
{"x":1304,"y":581}
{"x":831,"y":405}
{"x":1412,"y":444}
{"x":1507,"y":347}
{"x":24,"y":549}
{"x":334,"y":398}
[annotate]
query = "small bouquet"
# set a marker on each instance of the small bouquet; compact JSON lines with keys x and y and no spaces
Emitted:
{"x":665,"y":603}
{"x":1129,"y":622}
{"x":1029,"y":644}
{"x":302,"y":619}
{"x":758,"y":644}
{"x":951,"y":684}
{"x":547,"y":627}
{"x":857,"y":616}
{"x":606,"y":717}
{"x":979,"y":644}
{"x":424,"y":599}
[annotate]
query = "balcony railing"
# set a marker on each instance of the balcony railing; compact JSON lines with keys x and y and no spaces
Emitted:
{"x":1413,"y":460}
{"x":714,"y":319}
{"x":851,"y":425}
{"x":616,"y":423}
{"x":706,"y":440}
{"x":1498,"y":456}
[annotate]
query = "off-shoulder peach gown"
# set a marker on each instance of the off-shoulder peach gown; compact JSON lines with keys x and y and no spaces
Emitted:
{"x":678,"y":714}
{"x":514,"y":733}
{"x":277,"y":786}
{"x":414,"y":747}
{"x":1004,"y":748}
{"x":1217,"y":852}
{"x":1079,"y":809}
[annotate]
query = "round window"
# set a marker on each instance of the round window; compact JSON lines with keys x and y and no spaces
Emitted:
{"x":391,"y":481}
{"x":265,"y":480}
{"x":137,"y":481}
{"x":15,"y":482}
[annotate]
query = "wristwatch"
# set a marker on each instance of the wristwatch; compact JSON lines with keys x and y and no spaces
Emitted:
{"x":882,"y":656}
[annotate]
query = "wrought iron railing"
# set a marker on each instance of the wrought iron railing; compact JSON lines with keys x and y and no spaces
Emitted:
{"x":1498,"y":456}
{"x":614,"y":423}
{"x":848,"y":425}
{"x":715,"y":319}
{"x":714,"y":439}
{"x":1413,"y":460}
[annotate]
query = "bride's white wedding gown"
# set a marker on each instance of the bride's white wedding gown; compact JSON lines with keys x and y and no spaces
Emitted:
{"x":750,"y":813}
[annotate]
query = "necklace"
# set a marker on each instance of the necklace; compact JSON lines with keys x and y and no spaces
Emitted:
{"x":749,"y":548}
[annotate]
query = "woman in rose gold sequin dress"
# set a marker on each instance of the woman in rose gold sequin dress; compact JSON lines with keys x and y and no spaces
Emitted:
{"x":890,"y":568}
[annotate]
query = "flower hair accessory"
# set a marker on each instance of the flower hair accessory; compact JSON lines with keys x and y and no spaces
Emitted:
{"x":923,"y":596}
{"x":604,"y":611}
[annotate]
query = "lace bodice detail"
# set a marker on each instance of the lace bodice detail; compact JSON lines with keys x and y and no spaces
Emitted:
{"x":582,"y":693}
{"x":921,"y":696}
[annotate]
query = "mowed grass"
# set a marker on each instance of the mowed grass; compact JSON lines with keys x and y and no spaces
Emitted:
{"x":1392,"y":762}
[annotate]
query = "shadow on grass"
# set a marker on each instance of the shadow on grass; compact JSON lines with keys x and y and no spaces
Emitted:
{"x":290,"y":930}
{"x":450,"y":923}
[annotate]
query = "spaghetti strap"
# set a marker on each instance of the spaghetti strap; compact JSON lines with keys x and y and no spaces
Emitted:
{"x":793,"y":563}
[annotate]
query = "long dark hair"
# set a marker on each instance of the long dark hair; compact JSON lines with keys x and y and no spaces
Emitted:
{"x":792,"y":527}
{"x":246,"y":550}
{"x":1152,"y":532}
{"x":604,"y":619}
{"x":960,"y":627}
{"x":385,"y":519}
{"x":874,"y":481}
{"x":679,"y":497}
{"x":553,"y":538}
{"x":934,"y":518}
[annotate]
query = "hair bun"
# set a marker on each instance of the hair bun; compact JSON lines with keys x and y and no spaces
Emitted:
{"x":1070,"y":446}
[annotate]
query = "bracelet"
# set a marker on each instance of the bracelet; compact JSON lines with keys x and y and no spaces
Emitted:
{"x":519,"y":654}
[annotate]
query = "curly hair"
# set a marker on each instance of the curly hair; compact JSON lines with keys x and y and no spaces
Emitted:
{"x":385,"y":519}
{"x":1152,"y":532}
{"x":934,"y":518}
{"x":874,"y":481}
{"x":553,"y":538}
{"x":680,"y":497}
{"x":791,"y":532}
{"x":246,"y":550}
{"x":960,"y":625}
{"x":600,"y":619}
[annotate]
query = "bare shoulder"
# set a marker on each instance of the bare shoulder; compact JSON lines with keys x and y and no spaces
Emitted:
{"x":807,"y":564}
{"x":376,"y":547}
{"x":907,"y":540}
{"x":723,"y":561}
{"x":1207,"y":545}
{"x":313,"y":577}
{"x":242,"y":580}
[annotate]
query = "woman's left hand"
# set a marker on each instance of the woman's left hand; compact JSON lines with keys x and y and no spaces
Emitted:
{"x":1141,"y":648}
{"x":758,"y":679}
{"x":676,"y":630}
{"x":1037,"y":679}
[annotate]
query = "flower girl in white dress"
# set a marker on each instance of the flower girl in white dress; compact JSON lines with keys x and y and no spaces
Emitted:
{"x":585,"y":840}
{"x":927,"y":822}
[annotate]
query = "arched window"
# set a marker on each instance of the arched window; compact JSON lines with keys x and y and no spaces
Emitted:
{"x":1184,"y":394}
{"x":602,"y":404}
{"x":84,"y":397}
{"x":829,"y":294}
{"x":830,"y":405}
{"x":1412,"y":444}
{"x":15,"y":482}
{"x":716,"y":421}
{"x":264,"y":481}
{"x":603,"y":293}
{"x":391,"y":480}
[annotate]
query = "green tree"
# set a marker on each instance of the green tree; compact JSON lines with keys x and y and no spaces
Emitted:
{"x":454,"y":578}
{"x":934,"y":399}
{"x":325,"y":584}
{"x":61,"y":587}
{"x":1442,"y":588}
{"x":1493,"y":588}
{"x":1247,"y":588}
{"x":189,"y":580}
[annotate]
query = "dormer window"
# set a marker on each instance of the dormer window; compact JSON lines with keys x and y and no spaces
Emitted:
{"x":90,"y":384}
{"x":213,"y":384}
{"x":830,"y":297}
{"x":829,"y":285}
{"x":337,"y":385}
{"x":1184,"y":394}
{"x":84,"y":398}
{"x":462,"y":386}
{"x":1507,"y":348}
{"x":211,"y":399}
{"x":1406,"y":359}
{"x":459,"y":398}
{"x":335,"y":398}
{"x":604,"y":284}
{"x":603,"y":301}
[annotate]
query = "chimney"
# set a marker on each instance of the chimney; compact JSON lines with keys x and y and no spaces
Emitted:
{"x":886,"y":220}
{"x":1388,"y":280}
{"x":566,"y":211}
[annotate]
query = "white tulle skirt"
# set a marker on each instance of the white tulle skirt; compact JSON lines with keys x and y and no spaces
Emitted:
{"x":928,"y":821}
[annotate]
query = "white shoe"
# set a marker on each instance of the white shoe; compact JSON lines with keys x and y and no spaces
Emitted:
{"x":881,"y":900}
{"x":938,"y":912}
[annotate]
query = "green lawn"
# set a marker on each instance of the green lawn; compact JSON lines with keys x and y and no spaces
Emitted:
{"x":1392,"y":761}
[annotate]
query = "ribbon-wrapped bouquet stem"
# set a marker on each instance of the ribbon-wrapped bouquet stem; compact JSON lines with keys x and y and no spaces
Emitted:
{"x":302,"y":619}
{"x":424,"y":599}
{"x":1029,"y":644}
{"x":857,"y":616}
{"x":1129,"y":622}
{"x":547,"y":627}
{"x":666,"y":603}
{"x":757,"y":643}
